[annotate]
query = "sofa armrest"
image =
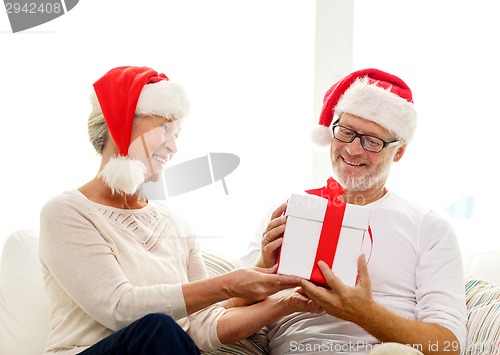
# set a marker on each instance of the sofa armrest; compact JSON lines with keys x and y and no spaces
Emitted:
{"x":483,"y":265}
{"x":23,"y":302}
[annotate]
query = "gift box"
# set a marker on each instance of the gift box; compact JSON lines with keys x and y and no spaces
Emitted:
{"x":321,"y":229}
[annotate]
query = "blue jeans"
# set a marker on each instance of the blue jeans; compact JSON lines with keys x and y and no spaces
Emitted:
{"x":151,"y":335}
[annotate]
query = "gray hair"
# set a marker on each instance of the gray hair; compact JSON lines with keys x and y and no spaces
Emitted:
{"x":98,"y":129}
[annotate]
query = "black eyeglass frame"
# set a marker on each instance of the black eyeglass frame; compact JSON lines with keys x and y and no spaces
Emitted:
{"x":356,"y":135}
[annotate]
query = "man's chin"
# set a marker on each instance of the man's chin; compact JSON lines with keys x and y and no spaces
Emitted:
{"x":355,"y":186}
{"x":351,"y":183}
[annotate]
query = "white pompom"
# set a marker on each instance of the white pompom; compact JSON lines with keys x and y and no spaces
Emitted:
{"x":123,"y":175}
{"x":321,"y":135}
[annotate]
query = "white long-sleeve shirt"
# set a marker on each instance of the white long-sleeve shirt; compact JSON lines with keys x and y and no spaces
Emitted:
{"x":106,"y":267}
{"x":415,"y":270}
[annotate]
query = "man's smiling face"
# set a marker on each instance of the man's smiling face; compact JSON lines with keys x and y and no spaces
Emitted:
{"x":356,"y":168}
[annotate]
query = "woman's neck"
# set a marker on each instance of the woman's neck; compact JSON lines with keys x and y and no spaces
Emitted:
{"x":97,"y":191}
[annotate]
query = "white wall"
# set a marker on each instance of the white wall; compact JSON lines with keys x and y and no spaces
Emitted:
{"x":248,"y":70}
{"x":447,"y":51}
{"x":256,"y":72}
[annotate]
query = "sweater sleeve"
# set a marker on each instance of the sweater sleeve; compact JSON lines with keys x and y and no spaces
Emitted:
{"x":81,"y":268}
{"x":440,"y":283}
{"x":202,"y":324}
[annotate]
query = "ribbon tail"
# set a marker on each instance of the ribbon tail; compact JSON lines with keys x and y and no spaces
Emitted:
{"x":328,"y":241}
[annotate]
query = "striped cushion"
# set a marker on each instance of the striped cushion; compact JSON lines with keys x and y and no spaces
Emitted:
{"x":217,"y":264}
{"x":256,"y":344}
{"x":483,"y":321}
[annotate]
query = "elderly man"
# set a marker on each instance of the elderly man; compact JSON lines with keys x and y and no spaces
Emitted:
{"x":411,"y":290}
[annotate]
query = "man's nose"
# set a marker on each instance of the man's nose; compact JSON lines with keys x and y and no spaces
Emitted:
{"x":355,"y":147}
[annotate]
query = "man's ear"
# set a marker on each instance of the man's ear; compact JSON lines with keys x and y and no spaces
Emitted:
{"x":400,"y":152}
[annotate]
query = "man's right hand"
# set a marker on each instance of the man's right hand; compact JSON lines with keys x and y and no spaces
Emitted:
{"x":272,"y":238}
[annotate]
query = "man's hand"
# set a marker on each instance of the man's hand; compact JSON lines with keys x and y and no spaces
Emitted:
{"x":272,"y":238}
{"x":356,"y":304}
{"x":342,"y":301}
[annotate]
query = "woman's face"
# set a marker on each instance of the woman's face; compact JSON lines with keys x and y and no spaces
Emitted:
{"x":153,"y":143}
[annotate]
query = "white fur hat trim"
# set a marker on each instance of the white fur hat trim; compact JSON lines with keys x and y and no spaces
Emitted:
{"x":381,"y":106}
{"x":123,"y":175}
{"x":164,"y":98}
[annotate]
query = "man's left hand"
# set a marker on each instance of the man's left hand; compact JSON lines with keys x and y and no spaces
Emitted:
{"x":342,"y":301}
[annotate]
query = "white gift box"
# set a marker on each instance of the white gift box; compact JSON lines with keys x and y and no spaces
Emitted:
{"x":304,"y":243}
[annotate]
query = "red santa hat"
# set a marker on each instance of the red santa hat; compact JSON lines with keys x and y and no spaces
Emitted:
{"x":373,"y":95}
{"x":121,"y":94}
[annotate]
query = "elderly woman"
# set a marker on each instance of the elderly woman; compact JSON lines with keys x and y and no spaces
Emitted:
{"x":124,"y":275}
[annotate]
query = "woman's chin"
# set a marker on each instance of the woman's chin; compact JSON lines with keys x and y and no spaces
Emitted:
{"x":153,"y":178}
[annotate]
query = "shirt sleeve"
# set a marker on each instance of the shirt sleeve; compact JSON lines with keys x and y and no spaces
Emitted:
{"x":203,"y":327}
{"x":440,"y":292}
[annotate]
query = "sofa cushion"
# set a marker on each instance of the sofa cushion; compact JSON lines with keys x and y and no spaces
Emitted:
{"x":483,"y":316}
{"x":23,"y":302}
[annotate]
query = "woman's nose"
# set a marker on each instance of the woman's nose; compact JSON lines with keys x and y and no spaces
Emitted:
{"x":171,"y":144}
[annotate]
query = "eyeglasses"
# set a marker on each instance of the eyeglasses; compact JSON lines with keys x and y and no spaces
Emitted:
{"x":370,"y":143}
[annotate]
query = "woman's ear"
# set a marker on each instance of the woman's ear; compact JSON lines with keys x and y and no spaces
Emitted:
{"x":400,"y":152}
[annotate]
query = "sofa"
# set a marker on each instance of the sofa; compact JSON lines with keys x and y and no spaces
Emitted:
{"x":24,"y":309}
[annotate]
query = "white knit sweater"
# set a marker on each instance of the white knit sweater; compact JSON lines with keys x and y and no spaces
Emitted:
{"x":106,"y":267}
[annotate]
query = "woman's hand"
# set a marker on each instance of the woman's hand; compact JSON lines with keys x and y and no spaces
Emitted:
{"x":238,"y":288}
{"x":256,"y":284}
{"x":296,"y":301}
{"x":240,"y":322}
{"x":272,"y":238}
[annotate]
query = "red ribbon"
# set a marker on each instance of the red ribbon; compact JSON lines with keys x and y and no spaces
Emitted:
{"x":330,"y":231}
{"x":331,"y":191}
{"x":328,"y":240}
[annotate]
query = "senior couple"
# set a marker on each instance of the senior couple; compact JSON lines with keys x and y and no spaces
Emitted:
{"x":124,"y":275}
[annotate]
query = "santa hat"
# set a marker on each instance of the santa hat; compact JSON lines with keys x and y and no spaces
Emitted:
{"x":373,"y":95}
{"x":121,"y":94}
